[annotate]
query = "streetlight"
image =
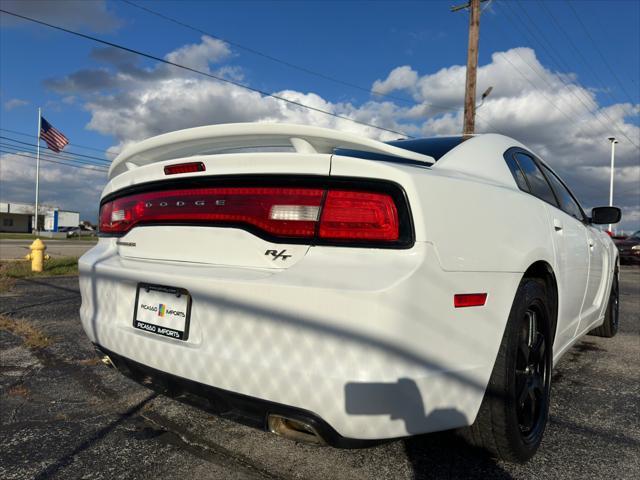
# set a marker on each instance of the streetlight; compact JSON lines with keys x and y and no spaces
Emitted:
{"x":484,"y":95}
{"x":613,"y":156}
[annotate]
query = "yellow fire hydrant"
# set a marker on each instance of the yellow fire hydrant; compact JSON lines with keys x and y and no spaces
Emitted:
{"x":37,"y":255}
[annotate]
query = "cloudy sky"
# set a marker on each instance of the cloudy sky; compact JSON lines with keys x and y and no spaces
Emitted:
{"x":565,"y":76}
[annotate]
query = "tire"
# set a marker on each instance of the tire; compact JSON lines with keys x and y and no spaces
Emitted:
{"x":612,"y":316}
{"x":514,"y":412}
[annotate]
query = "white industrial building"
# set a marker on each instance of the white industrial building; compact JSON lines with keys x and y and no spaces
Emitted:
{"x":18,"y":218}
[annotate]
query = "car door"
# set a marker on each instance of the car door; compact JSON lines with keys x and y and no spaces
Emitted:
{"x":599,"y":257}
{"x":596,"y":253}
{"x":570,"y":245}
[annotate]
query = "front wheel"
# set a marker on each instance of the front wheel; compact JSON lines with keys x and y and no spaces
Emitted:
{"x":515,"y":408}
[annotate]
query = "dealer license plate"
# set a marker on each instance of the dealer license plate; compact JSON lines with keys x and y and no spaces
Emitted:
{"x":163,"y":311}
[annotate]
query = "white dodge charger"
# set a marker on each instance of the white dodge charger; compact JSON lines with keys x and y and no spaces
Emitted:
{"x":335,"y":289}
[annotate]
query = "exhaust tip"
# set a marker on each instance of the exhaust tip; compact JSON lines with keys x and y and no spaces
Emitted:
{"x":296,"y":430}
{"x":106,"y":360}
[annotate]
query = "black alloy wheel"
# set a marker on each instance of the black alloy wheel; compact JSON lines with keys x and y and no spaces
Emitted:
{"x":515,"y":409}
{"x":532,"y":371}
{"x":611,"y":322}
{"x":614,"y":305}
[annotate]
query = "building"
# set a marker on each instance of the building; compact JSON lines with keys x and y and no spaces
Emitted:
{"x":18,"y":218}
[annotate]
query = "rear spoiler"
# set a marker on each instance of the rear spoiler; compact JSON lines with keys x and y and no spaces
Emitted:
{"x":213,"y":139}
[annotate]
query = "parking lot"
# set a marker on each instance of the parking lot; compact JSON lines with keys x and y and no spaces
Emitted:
{"x":65,"y":415}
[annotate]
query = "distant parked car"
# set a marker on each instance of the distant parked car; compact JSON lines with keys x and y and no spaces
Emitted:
{"x":80,"y":231}
{"x":629,"y":248}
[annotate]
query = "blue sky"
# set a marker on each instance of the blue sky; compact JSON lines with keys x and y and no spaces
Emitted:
{"x":358,"y":42}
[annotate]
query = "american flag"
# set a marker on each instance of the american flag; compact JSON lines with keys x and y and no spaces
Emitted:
{"x":55,"y":139}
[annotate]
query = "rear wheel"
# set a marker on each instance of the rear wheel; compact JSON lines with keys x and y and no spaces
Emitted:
{"x":515,"y":408}
{"x":612,"y":316}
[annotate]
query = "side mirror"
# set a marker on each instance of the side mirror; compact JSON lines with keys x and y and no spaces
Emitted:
{"x":604,"y":215}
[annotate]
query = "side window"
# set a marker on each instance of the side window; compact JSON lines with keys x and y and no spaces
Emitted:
{"x":538,"y":185}
{"x":518,"y":176}
{"x":567,"y":202}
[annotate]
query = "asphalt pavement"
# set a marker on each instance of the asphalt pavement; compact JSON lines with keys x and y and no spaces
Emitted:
{"x":12,"y":249}
{"x":65,"y":415}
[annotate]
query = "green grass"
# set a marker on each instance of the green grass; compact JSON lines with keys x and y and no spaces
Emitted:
{"x":52,"y":267}
{"x":16,"y":236}
{"x":29,"y":236}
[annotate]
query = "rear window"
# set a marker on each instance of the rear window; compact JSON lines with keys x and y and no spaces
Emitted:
{"x":538,"y":184}
{"x":517,"y":173}
{"x":433,"y":147}
{"x":567,"y":203}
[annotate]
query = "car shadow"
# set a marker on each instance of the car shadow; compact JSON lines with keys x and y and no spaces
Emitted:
{"x":445,"y":455}
{"x":435,"y":456}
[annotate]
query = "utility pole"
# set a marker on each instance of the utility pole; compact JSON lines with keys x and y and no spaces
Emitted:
{"x":472,"y":65}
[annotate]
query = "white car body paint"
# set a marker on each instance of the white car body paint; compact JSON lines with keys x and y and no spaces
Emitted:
{"x":367,"y":339}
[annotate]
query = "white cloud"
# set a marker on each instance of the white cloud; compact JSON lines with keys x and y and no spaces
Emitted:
{"x":14,"y":103}
{"x":400,"y":78}
{"x":200,"y":55}
{"x":130,"y":103}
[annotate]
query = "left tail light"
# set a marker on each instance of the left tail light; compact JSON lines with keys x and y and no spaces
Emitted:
{"x":285,"y":212}
{"x":317,"y":215}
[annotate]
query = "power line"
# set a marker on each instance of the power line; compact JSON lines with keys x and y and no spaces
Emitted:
{"x":595,"y":44}
{"x":53,"y":161}
{"x":562,"y":65}
{"x":599,"y":26}
{"x":54,"y":156}
{"x":601,"y":112}
{"x":50,"y":156}
{"x":199,"y":72}
{"x":552,"y":57}
{"x":47,"y":159}
{"x":59,"y":153}
{"x":532,"y":84}
{"x":551,"y":102}
{"x":578,"y":51}
{"x":71,"y":144}
{"x":301,"y":68}
{"x":597,"y":77}
{"x":283,"y":62}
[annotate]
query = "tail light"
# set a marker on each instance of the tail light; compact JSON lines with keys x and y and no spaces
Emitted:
{"x":351,"y":215}
{"x":322,"y":215}
{"x":190,"y":167}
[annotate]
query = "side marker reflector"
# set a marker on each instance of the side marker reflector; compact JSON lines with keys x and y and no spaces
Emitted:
{"x":461,"y":300}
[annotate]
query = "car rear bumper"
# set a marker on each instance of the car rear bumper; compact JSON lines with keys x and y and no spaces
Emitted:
{"x":250,"y":411}
{"x":367,"y":344}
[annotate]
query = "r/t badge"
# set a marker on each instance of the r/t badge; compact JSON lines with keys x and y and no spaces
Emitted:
{"x":277,"y":254}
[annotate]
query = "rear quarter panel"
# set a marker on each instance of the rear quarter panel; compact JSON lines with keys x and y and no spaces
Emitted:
{"x":473,"y":224}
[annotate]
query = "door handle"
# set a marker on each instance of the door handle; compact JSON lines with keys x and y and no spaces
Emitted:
{"x":557,"y":225}
{"x":591,"y":244}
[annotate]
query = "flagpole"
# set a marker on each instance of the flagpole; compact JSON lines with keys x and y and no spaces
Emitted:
{"x":37,"y":168}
